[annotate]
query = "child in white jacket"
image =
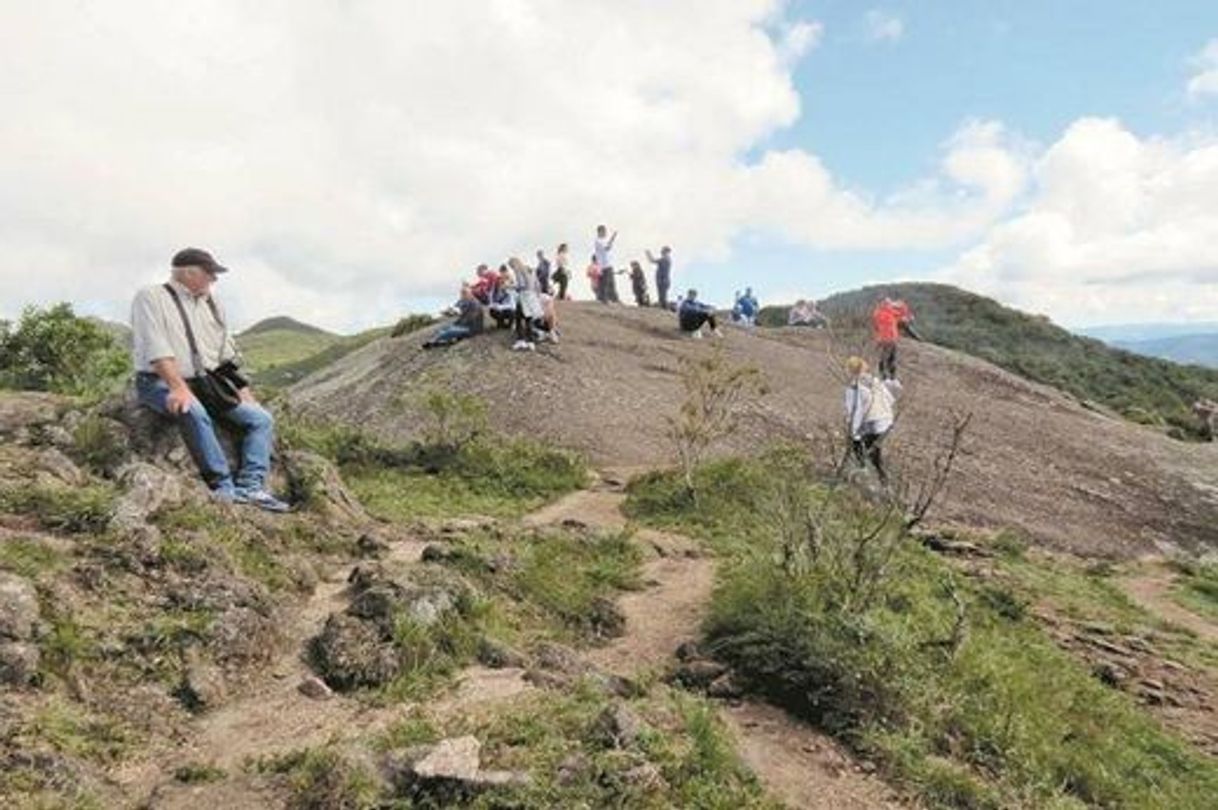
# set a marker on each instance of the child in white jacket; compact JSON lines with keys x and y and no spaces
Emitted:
{"x":869,"y":413}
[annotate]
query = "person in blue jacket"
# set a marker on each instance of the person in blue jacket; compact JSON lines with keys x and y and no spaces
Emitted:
{"x":692,"y":315}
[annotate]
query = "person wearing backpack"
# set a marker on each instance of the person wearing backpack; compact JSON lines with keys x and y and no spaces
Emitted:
{"x":187,"y":369}
{"x":870,"y":414}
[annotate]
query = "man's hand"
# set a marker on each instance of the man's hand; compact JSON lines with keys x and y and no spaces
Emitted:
{"x":179,"y":400}
{"x":246,"y":395}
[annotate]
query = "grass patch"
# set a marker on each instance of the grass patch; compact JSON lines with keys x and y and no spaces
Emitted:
{"x":70,"y":730}
{"x":198,"y":774}
{"x":550,"y":584}
{"x":1197,"y":589}
{"x":322,"y":778}
{"x":943,"y":681}
{"x":30,"y":558}
{"x":73,"y":510}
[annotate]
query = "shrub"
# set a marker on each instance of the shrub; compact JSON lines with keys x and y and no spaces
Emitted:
{"x":75,"y":510}
{"x":54,"y":350}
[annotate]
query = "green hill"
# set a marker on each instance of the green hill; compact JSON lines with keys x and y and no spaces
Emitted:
{"x":283,"y":323}
{"x":296,"y":368}
{"x":1143,"y":389}
{"x":266,"y":349}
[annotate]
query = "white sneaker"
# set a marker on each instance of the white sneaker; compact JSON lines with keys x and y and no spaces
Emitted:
{"x":553,"y":335}
{"x":531,"y":346}
{"x":717,"y":332}
{"x":696,"y":334}
{"x":520,"y":345}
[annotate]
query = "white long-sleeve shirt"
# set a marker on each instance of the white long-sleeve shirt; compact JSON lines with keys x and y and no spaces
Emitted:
{"x":869,"y":405}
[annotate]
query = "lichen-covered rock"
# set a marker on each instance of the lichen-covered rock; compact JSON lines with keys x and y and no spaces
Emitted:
{"x":314,"y":482}
{"x":23,"y":411}
{"x":18,"y":608}
{"x":618,"y":727}
{"x":146,"y":488}
{"x":351,"y":653}
{"x":495,"y":655}
{"x":61,"y":468}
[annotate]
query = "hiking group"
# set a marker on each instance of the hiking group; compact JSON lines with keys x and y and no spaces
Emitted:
{"x":187,"y":364}
{"x":523,"y":299}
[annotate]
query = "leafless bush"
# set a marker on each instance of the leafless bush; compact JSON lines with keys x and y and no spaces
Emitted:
{"x":716,"y":392}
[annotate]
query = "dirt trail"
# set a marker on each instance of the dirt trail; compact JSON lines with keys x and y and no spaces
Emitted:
{"x":797,"y":765}
{"x":1150,"y":588}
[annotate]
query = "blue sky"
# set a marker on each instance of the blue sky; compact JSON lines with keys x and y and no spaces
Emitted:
{"x":878,"y":111}
{"x":352,"y":161}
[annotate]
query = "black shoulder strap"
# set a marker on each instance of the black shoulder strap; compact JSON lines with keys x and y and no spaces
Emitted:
{"x":195,"y":359}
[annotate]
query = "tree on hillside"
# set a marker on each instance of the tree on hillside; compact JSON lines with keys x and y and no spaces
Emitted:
{"x":55,"y":350}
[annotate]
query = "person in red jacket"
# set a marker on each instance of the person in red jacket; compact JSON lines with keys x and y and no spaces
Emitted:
{"x":887,"y":321}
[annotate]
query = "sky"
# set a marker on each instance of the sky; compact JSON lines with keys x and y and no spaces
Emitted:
{"x":353,"y":160}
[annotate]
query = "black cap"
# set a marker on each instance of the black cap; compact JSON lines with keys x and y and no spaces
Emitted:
{"x":194,"y":257}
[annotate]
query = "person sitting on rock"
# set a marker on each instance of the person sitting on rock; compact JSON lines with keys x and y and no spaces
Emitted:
{"x":869,"y":414}
{"x":805,"y":313}
{"x":186,"y":368}
{"x":469,"y":321}
{"x":1206,"y":410}
{"x":503,"y":301}
{"x":638,"y":285}
{"x":747,"y":308}
{"x":692,"y":315}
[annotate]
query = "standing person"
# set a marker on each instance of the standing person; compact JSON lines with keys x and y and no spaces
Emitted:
{"x":186,"y":368}
{"x":562,"y":272}
{"x":692,"y":315}
{"x":638,"y":285}
{"x":887,"y":320}
{"x":604,"y":260}
{"x":594,"y":277}
{"x":869,"y":413}
{"x":469,"y":321}
{"x":530,"y":313}
{"x":543,"y":272}
{"x":748,"y":308}
{"x":663,"y":274}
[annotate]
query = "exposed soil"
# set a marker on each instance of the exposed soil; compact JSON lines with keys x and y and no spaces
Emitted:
{"x":1151,"y":588}
{"x":1035,"y":459}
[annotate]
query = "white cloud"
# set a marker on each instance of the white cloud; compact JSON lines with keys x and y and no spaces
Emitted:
{"x":1118,"y":228}
{"x":346,"y":158}
{"x":1204,"y":82}
{"x":883,"y":26}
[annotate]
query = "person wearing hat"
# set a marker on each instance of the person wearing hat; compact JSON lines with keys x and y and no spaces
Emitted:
{"x":186,"y":369}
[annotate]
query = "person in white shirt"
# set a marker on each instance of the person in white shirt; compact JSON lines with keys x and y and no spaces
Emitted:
{"x":184,"y":358}
{"x":870,"y":415}
{"x":607,"y":289}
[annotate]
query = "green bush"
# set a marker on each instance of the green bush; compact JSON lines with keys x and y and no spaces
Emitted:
{"x":54,"y":350}
{"x":948,"y":683}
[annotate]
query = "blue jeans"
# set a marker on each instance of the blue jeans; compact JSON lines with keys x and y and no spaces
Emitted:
{"x":256,"y":425}
{"x":451,"y":334}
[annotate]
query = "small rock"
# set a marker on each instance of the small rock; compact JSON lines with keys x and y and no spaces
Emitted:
{"x":350,"y":653}
{"x":606,"y":618}
{"x":1110,"y":674}
{"x":548,"y":655}
{"x":454,"y":758}
{"x":574,"y":523}
{"x":368,"y":546}
{"x":724,"y":687}
{"x":202,"y":686}
{"x":618,"y":726}
{"x":572,"y":769}
{"x":495,"y":655}
{"x":645,"y":777}
{"x":543,"y":679}
{"x":315,"y":688}
{"x":688,"y":650}
{"x":698,"y":673}
{"x":18,"y":663}
{"x":61,"y":467}
{"x":18,"y":607}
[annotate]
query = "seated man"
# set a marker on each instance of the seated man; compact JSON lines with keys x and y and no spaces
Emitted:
{"x":469,"y":321}
{"x":183,"y":355}
{"x":805,"y":313}
{"x":503,"y":301}
{"x":692,"y":314}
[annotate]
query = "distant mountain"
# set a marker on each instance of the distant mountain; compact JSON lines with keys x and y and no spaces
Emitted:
{"x":1144,"y":389}
{"x":1123,"y":334}
{"x":283,"y":323}
{"x":1197,"y":349}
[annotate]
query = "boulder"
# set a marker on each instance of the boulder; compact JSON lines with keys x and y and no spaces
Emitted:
{"x":18,"y":608}
{"x":448,"y":772}
{"x":313,"y":687}
{"x":450,"y":759}
{"x":495,"y":655}
{"x":60,"y":467}
{"x":350,"y":653}
{"x":315,"y":482}
{"x":24,"y":411}
{"x":145,"y":489}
